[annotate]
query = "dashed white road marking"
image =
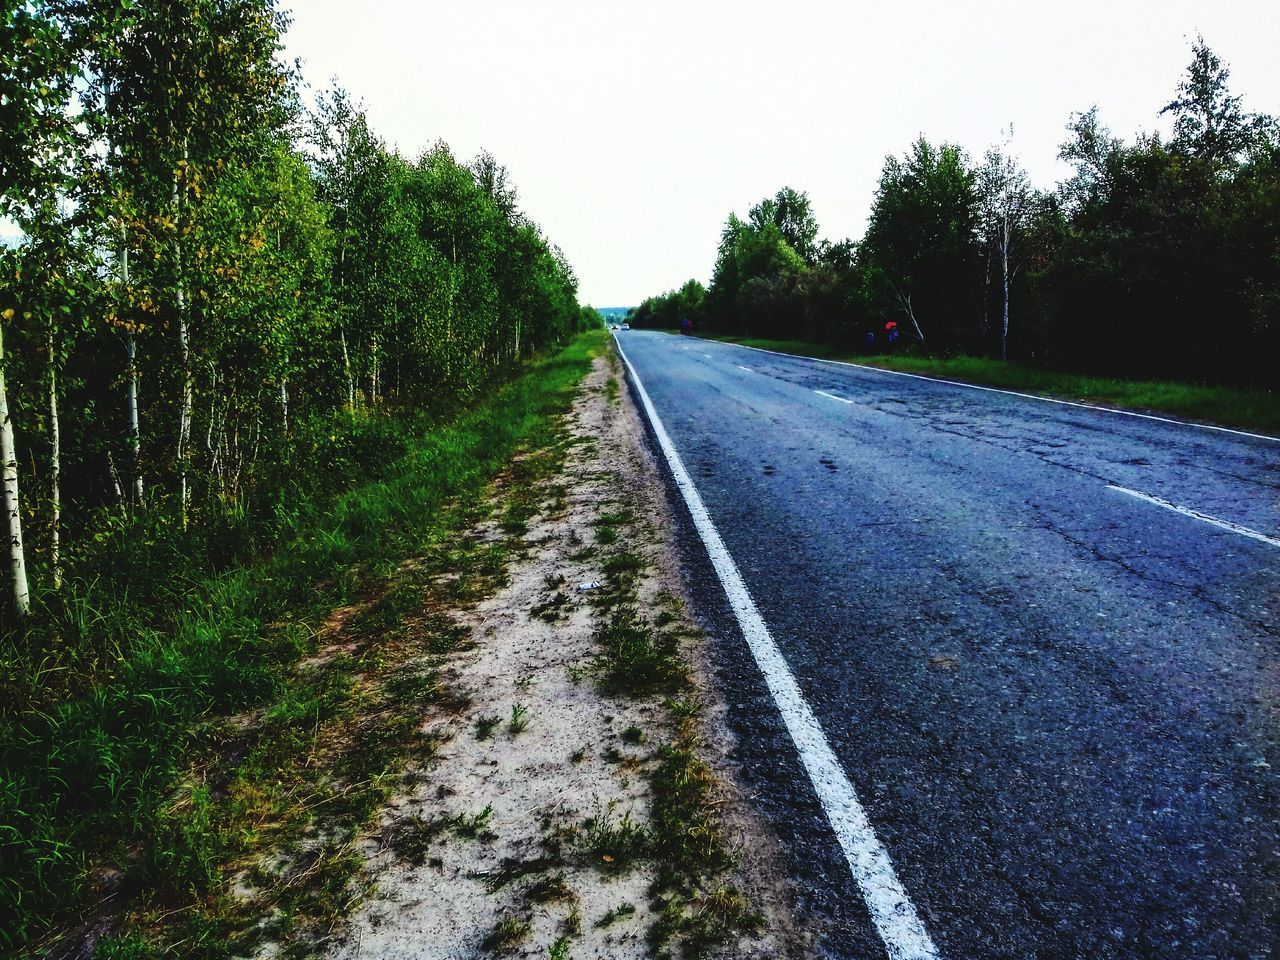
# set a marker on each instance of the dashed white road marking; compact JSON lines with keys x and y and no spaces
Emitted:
{"x":1015,"y":393}
{"x":741,"y":367}
{"x":832,"y":396}
{"x":1197,"y":515}
{"x":892,"y":911}
{"x":708,"y":356}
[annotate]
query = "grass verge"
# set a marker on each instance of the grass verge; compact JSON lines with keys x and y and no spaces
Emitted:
{"x":640,"y":655}
{"x":1225,"y":406}
{"x":248,"y":720}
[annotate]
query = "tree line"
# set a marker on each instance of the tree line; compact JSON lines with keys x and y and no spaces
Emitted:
{"x":1159,"y":257}
{"x":206,"y":270}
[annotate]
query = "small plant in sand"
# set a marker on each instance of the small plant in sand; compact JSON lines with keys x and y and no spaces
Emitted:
{"x":635,"y":658}
{"x":473,"y":825}
{"x":510,"y":932}
{"x":552,"y":888}
{"x":704,"y":922}
{"x":519,"y":721}
{"x":620,"y":912}
{"x":573,"y":922}
{"x":615,"y":845}
{"x":485,"y":727}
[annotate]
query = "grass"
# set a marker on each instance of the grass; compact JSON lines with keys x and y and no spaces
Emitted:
{"x":519,"y":721}
{"x":639,"y":655}
{"x":509,"y":933}
{"x":615,"y":844}
{"x":173,"y":737}
{"x":1226,"y":406}
{"x":485,"y":726}
{"x":620,"y":912}
{"x":636,"y":658}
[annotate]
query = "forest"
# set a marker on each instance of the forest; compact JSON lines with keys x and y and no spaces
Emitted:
{"x":228,"y":302}
{"x":1156,"y":258}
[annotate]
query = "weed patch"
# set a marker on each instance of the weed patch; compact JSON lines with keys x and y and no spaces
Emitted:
{"x":615,"y":844}
{"x":637,"y":659}
{"x":510,"y":932}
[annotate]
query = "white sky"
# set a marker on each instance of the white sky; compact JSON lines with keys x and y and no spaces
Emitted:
{"x":633,"y":129}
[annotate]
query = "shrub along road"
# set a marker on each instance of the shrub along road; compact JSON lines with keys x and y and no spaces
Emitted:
{"x":1040,"y":641}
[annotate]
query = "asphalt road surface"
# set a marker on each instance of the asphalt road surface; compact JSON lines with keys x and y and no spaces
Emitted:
{"x":1042,"y":642}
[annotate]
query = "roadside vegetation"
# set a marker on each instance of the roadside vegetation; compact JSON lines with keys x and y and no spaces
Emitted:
{"x":1228,"y":406}
{"x":556,"y":796}
{"x":251,"y":359}
{"x":641,"y":654}
{"x":211,"y":788}
{"x":1155,"y":261}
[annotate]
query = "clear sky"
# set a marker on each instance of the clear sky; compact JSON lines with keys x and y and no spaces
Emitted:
{"x":633,"y":129}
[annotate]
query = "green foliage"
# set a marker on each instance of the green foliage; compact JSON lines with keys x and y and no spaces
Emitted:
{"x":666,"y":311}
{"x":1154,"y":260}
{"x":614,"y":844}
{"x":101,"y":697}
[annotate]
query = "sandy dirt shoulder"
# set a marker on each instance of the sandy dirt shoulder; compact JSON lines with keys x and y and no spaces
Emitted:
{"x":584,"y":773}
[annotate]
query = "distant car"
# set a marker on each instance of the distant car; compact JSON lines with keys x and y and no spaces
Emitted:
{"x":625,"y":326}
{"x":613,"y":326}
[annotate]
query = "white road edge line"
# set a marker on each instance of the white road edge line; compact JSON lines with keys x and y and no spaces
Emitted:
{"x":892,"y":911}
{"x":1014,"y":393}
{"x":832,"y":396}
{"x":1197,"y":515}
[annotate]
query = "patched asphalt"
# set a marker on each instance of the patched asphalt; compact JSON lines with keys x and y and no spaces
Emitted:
{"x":1059,"y":704}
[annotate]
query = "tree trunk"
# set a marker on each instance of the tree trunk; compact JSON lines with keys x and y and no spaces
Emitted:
{"x":131,"y":402}
{"x":342,"y":330}
{"x":114,"y":474}
{"x":346,"y":367}
{"x":986,"y":298}
{"x":904,"y":301}
{"x":12,"y":502}
{"x":1004,"y":264}
{"x":55,"y":470}
{"x":184,"y":351}
{"x":284,"y":405}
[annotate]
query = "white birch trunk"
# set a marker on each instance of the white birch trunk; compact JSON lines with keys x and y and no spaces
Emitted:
{"x":284,"y":404}
{"x":1004,"y":269}
{"x":342,"y":330}
{"x":986,"y":295}
{"x":115,"y":479}
{"x":346,"y":366}
{"x":12,"y":502}
{"x":131,"y":400}
{"x":184,"y":350}
{"x":55,"y":470}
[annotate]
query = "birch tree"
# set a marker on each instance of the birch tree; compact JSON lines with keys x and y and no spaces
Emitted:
{"x":1005,"y":204}
{"x":37,"y":137}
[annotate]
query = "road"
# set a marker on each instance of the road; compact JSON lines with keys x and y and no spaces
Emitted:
{"x":1041,"y":640}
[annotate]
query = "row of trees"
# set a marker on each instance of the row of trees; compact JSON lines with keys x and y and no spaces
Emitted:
{"x":204,"y":266}
{"x":1160,"y":257}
